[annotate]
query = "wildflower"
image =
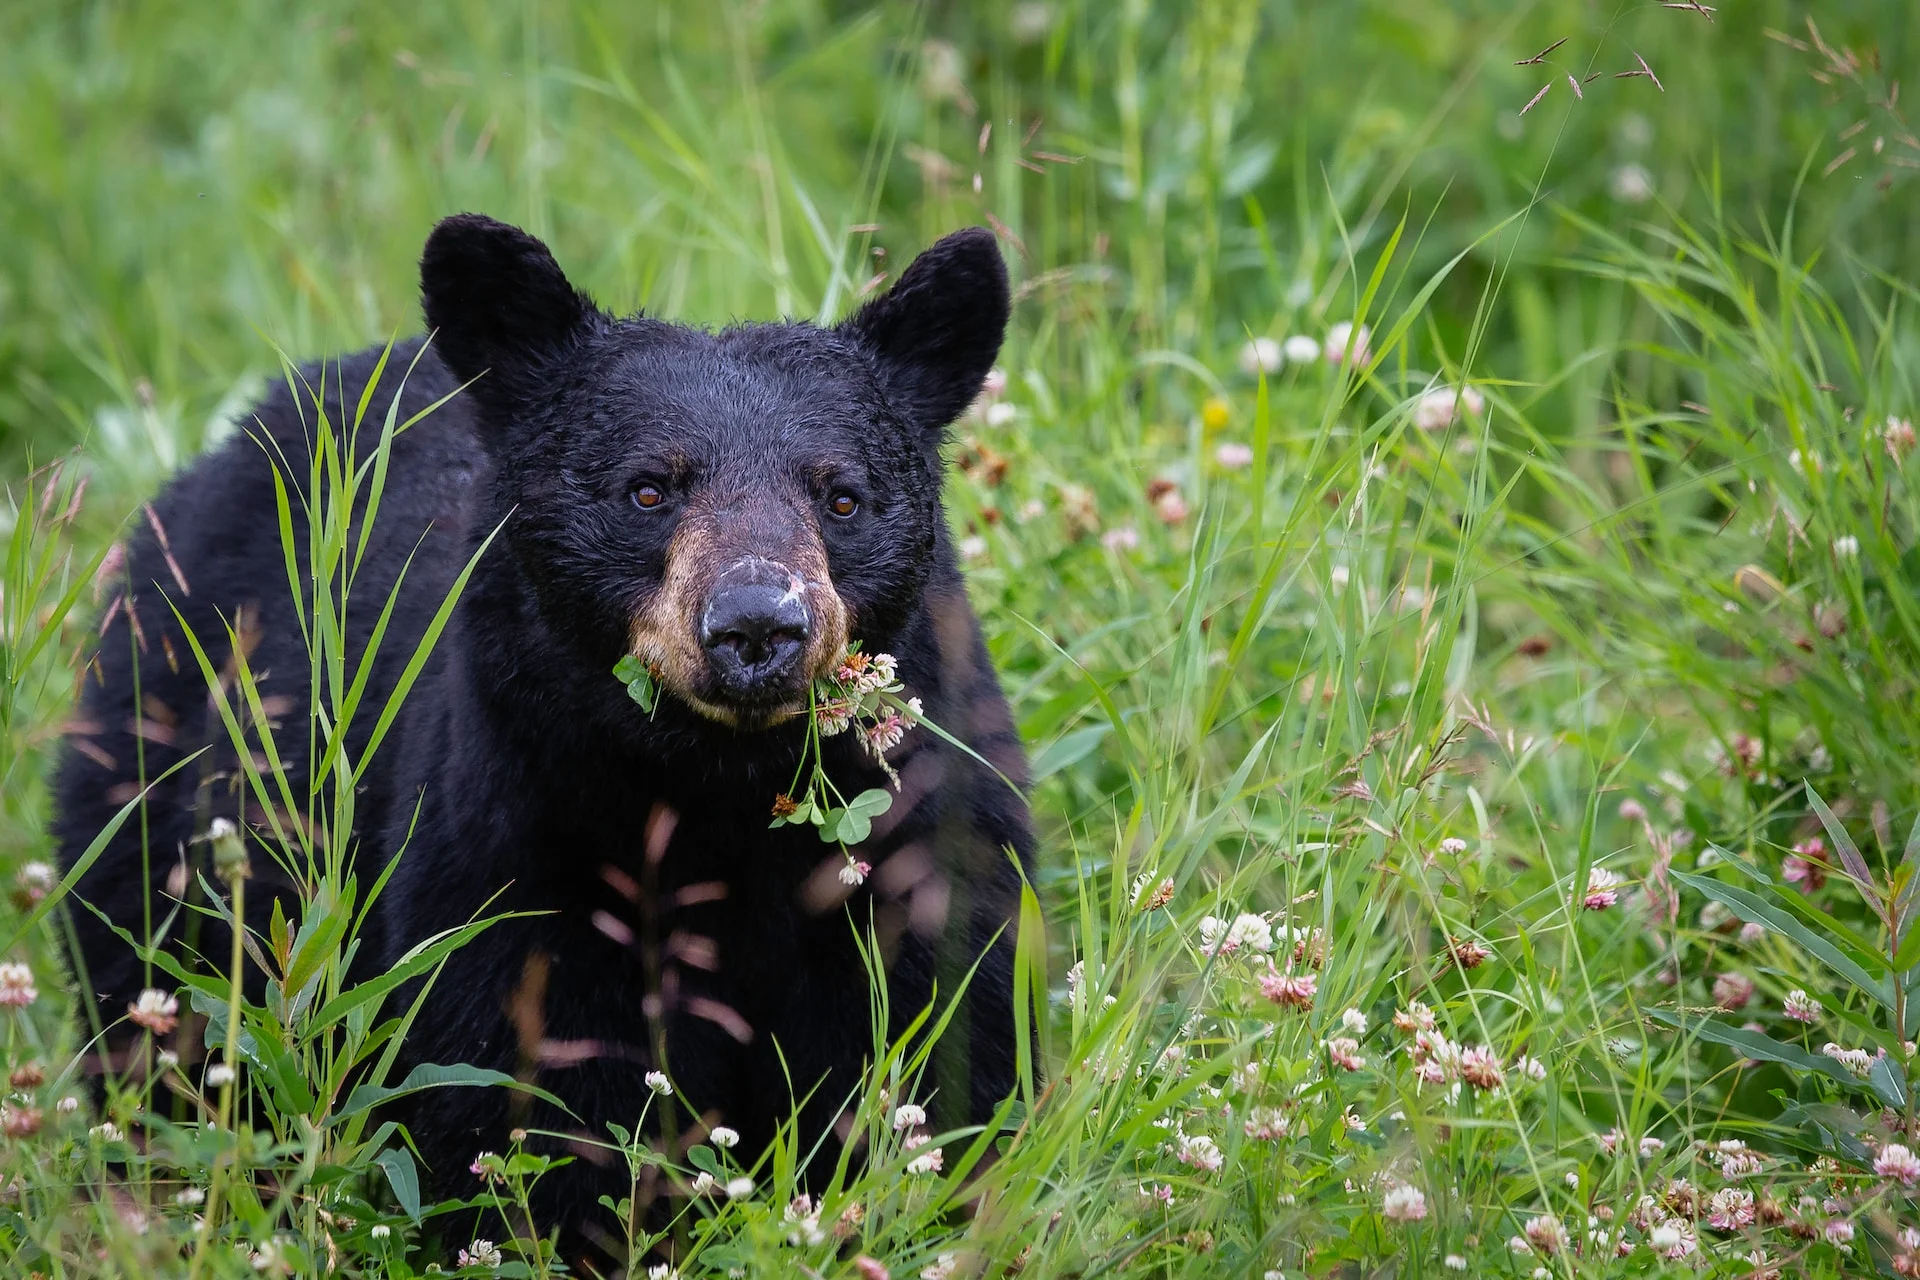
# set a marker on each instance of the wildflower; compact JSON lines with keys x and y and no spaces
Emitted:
{"x":1265,"y":1123}
{"x":1300,"y":349}
{"x":1345,"y":1053}
{"x":189,"y":1197}
{"x":834,"y":715}
{"x":1160,"y":897}
{"x":1468,"y":953}
{"x":481,"y":1253}
{"x":1603,"y":889}
{"x":1800,"y":1006}
{"x":1838,"y":1231}
{"x":1453,"y":845}
{"x":154,"y":1010}
{"x":1480,"y":1067}
{"x":1730,"y":1209}
{"x":67,"y":1105}
{"x":1846,"y":546}
{"x":28,"y":1075}
{"x":1735,"y":1159}
{"x":16,"y":985}
{"x":1170,"y":506}
{"x":1751,"y":933}
{"x":1215,"y":413}
{"x":19,"y":1121}
{"x":1200,"y":1151}
{"x":908,"y":1115}
{"x":479,"y":1166}
{"x":1122,"y":538}
{"x":868,"y":1268}
{"x":1249,"y":931}
{"x":662,"y":1271}
{"x":972,"y":547}
{"x":1631,"y":184}
{"x":106,"y":1131}
{"x":658,"y":1082}
{"x":219,"y":1075}
{"x":1454,"y":1262}
{"x":1309,"y":947}
{"x":1415,"y":1017}
{"x":1898,"y":1163}
{"x":722,"y":1137}
{"x":1354,"y":1021}
{"x":703,"y":1183}
{"x":1674,"y":1239}
{"x":1632,"y":811}
{"x":942,"y":1268}
{"x":1403,"y":1203}
{"x":1343,"y":334}
{"x":1532,"y":1068}
{"x":1732,"y":991}
{"x":928,"y":1161}
{"x":1806,"y":866}
{"x":1899,"y":438}
{"x":739,"y":1188}
{"x":33,"y":882}
{"x":999,"y":415}
{"x":1437,"y":409}
{"x":1289,"y":990}
{"x":1650,"y":1146}
{"x":1233,"y":455}
{"x":1262,"y":355}
{"x":381,"y":1231}
{"x":1546,"y":1234}
{"x":1857,"y":1061}
{"x":854,"y":872}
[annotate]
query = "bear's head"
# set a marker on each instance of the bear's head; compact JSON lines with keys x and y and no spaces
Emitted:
{"x":732,"y":508}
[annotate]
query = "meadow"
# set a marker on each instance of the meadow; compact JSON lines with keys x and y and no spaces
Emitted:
{"x":1452,"y":547}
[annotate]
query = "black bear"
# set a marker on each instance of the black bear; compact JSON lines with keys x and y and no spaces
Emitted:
{"x":733,"y":509}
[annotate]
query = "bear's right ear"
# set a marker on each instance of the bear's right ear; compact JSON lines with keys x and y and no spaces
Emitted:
{"x":497,"y":304}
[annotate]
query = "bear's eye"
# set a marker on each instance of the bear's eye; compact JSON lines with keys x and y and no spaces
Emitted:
{"x":843,"y":504}
{"x":647,"y":496}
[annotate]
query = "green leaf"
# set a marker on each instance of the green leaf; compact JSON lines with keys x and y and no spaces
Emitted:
{"x":431,"y":1075}
{"x":1889,"y":1081}
{"x":1850,"y":859}
{"x":703,"y":1159}
{"x":1068,"y":750}
{"x":872,"y":802}
{"x":1751,"y":907}
{"x":638,"y":677}
{"x":397,"y":1162}
{"x":1755,"y":1044}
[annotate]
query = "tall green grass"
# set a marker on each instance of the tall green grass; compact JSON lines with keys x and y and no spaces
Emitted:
{"x":1295,"y":641}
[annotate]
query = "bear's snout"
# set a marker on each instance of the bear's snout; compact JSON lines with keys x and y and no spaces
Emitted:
{"x":755,"y":628}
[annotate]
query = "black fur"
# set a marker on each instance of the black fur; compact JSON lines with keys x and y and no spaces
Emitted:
{"x":536,"y":780}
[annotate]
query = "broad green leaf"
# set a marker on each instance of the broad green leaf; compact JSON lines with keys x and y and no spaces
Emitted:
{"x":1756,"y":1044}
{"x":397,"y":1163}
{"x":1068,"y":750}
{"x":431,"y":1075}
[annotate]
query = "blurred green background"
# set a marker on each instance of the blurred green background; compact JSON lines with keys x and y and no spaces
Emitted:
{"x":180,"y":183}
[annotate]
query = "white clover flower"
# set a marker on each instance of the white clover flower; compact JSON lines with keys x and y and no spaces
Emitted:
{"x":1404,"y":1203}
{"x":1000,"y":414}
{"x":1846,"y":546}
{"x":1262,"y":355}
{"x":1300,"y":349}
{"x":703,"y":1183}
{"x":1899,"y":1163}
{"x":739,"y":1188}
{"x":658,"y":1082}
{"x":908,"y":1115}
{"x":155,"y":1010}
{"x":1200,"y":1151}
{"x":381,"y":1231}
{"x":1233,"y":455}
{"x":928,"y":1161}
{"x":1631,"y":184}
{"x":1355,"y":1021}
{"x":481,"y":1253}
{"x":1341,"y":335}
{"x":724,"y":1138}
{"x":16,"y":986}
{"x":219,"y":1074}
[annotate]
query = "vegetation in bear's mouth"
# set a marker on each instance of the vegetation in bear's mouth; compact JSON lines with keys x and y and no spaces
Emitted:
{"x":1446,"y":524}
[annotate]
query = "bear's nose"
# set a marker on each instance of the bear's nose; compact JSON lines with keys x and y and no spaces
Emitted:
{"x":754,"y":634}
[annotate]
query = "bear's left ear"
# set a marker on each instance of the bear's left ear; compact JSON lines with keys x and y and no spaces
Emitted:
{"x":937,"y":331}
{"x":499,"y":306}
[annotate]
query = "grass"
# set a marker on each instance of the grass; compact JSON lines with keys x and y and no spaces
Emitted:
{"x":1406,"y":687}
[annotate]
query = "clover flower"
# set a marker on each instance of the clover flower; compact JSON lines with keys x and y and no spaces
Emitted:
{"x":1800,"y":1006}
{"x":1289,"y":990}
{"x":1899,"y":438}
{"x":481,"y":1253}
{"x":854,"y":872}
{"x":1731,"y":991}
{"x":1300,"y":349}
{"x":16,"y":986}
{"x":1899,"y":1163}
{"x":908,"y":1115}
{"x":157,"y":1011}
{"x":1730,"y":1209}
{"x":1603,"y":889}
{"x":928,"y":1161}
{"x":1200,"y":1151}
{"x":1233,"y":455}
{"x":1261,"y":355}
{"x":658,"y":1082}
{"x":724,"y":1138}
{"x":1344,"y":1051}
{"x":1480,"y":1067}
{"x":1403,"y":1203}
{"x":1437,"y":408}
{"x":1343,"y":334}
{"x":1546,"y":1234}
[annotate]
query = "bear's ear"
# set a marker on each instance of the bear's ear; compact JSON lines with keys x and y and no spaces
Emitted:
{"x":497,"y":304}
{"x":937,"y":331}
